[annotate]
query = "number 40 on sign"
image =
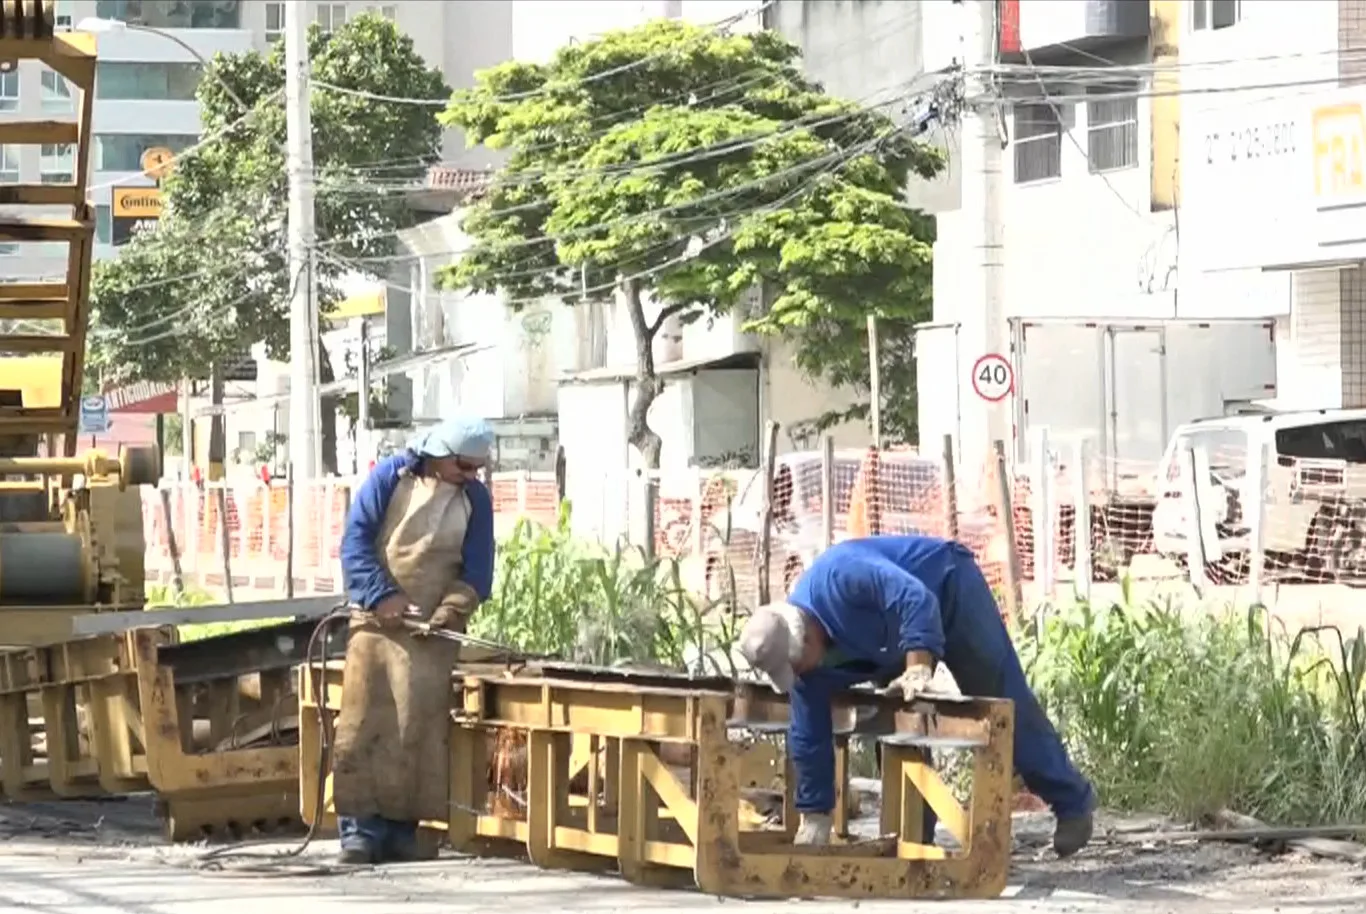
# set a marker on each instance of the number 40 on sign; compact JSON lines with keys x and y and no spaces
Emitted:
{"x":992,"y":378}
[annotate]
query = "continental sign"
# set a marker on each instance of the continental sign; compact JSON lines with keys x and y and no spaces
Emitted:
{"x":135,"y":210}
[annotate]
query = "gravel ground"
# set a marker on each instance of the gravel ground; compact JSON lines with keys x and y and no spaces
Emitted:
{"x":108,"y":858}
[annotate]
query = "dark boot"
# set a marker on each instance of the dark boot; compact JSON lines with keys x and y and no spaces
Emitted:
{"x":357,"y":855}
{"x":1073,"y":833}
{"x":401,"y":844}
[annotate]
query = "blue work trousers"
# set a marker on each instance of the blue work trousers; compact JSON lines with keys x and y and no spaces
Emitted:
{"x":982,"y":659}
{"x":377,"y":836}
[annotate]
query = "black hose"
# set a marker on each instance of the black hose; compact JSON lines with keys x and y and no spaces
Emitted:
{"x":315,"y":658}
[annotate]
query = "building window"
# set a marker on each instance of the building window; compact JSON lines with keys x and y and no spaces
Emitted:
{"x":56,"y":92}
{"x":104,"y":223}
{"x":389,"y":12}
{"x":331,"y":16}
{"x":65,"y":14}
{"x":275,"y":22}
{"x":1038,"y":143}
{"x":173,"y":14}
{"x":9,"y":89}
{"x":1215,"y":14}
{"x":9,"y":164}
{"x":1112,"y":130}
{"x":56,"y":164}
{"x":162,"y":82}
{"x":124,"y":151}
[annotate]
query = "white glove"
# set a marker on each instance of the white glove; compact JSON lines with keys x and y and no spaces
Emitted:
{"x":915,"y":681}
{"x":813,"y":828}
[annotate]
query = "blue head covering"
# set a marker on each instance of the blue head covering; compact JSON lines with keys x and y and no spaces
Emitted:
{"x":464,"y":435}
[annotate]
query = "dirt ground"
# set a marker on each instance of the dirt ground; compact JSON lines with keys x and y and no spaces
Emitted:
{"x":109,"y":857}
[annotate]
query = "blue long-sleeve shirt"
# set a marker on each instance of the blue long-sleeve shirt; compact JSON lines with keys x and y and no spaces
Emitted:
{"x":878,"y":599}
{"x":367,"y":581}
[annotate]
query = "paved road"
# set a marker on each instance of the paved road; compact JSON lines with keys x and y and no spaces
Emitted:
{"x":56,"y":877}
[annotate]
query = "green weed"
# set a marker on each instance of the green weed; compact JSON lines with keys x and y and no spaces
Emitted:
{"x":556,"y":594}
{"x":1189,"y":712}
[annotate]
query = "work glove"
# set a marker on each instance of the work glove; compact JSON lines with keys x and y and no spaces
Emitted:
{"x":455,"y":608}
{"x":912,"y":683}
{"x":813,"y":828}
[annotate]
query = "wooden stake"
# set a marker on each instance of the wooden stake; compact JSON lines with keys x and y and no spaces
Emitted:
{"x":1006,"y":509}
{"x":766,"y":522}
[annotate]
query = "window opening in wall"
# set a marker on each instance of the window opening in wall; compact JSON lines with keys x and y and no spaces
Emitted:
{"x":1112,"y":129}
{"x":389,"y":12}
{"x":331,"y":16}
{"x":173,"y":14}
{"x":1038,"y":143}
{"x":104,"y":223}
{"x":275,"y":22}
{"x":55,"y":164}
{"x":123,"y":151}
{"x":9,"y":164}
{"x":162,"y":82}
{"x":56,"y":92}
{"x":1215,"y":14}
{"x":9,"y":89}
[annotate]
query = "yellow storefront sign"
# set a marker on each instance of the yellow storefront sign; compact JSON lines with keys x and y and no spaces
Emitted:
{"x":137,"y":203}
{"x":1339,"y":147}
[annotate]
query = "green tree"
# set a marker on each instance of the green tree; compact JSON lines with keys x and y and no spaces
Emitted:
{"x":678,"y":168}
{"x":212,"y":279}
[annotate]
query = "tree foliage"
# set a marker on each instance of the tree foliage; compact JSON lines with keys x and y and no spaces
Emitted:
{"x":677,"y":168}
{"x":212,"y":279}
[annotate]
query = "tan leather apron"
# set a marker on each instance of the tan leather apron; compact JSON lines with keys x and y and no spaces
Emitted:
{"x":393,"y":732}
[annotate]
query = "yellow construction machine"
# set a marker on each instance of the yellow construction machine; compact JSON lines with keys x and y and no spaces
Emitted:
{"x":71,"y":538}
{"x":94,"y":698}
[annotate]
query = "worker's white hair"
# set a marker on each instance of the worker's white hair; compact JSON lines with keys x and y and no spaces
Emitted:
{"x":773,"y":641}
{"x":794,"y":620}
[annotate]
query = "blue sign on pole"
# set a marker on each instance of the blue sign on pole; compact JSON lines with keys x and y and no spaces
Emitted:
{"x":94,"y":415}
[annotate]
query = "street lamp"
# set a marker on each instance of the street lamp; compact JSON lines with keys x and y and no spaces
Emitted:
{"x":97,"y":26}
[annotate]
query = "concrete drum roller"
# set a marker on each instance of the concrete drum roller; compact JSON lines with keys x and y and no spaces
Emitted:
{"x":54,"y":564}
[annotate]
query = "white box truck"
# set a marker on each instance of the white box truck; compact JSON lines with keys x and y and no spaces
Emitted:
{"x":1124,"y":385}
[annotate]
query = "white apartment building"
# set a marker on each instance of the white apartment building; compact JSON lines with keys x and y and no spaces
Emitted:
{"x":1272,"y":143}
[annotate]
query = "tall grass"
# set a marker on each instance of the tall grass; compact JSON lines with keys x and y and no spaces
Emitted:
{"x":555,"y":594}
{"x":1189,"y":712}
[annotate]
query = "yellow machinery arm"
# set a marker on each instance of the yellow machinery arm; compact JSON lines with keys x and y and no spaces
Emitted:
{"x":48,"y":317}
{"x":64,"y":549}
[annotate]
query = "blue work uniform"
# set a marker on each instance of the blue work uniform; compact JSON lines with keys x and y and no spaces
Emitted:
{"x":369,"y":582}
{"x":881,"y":597}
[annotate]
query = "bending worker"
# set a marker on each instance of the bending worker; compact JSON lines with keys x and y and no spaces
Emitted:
{"x":885,"y":610}
{"x":418,"y":544}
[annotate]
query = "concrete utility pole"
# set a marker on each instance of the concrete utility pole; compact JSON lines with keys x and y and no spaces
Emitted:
{"x":305,"y":452}
{"x":982,"y":318}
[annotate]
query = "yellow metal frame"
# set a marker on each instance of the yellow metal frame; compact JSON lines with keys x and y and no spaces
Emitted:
{"x":115,"y":722}
{"x":635,"y":813}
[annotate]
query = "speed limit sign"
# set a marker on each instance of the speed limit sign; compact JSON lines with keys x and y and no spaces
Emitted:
{"x":992,"y":378}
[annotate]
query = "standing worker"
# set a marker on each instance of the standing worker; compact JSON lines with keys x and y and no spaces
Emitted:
{"x":418,"y":544}
{"x":885,"y":610}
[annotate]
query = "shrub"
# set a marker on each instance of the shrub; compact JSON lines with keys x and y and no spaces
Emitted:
{"x":1187,"y":711}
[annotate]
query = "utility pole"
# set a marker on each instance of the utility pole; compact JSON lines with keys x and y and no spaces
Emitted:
{"x":982,"y":317}
{"x":305,"y":457}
